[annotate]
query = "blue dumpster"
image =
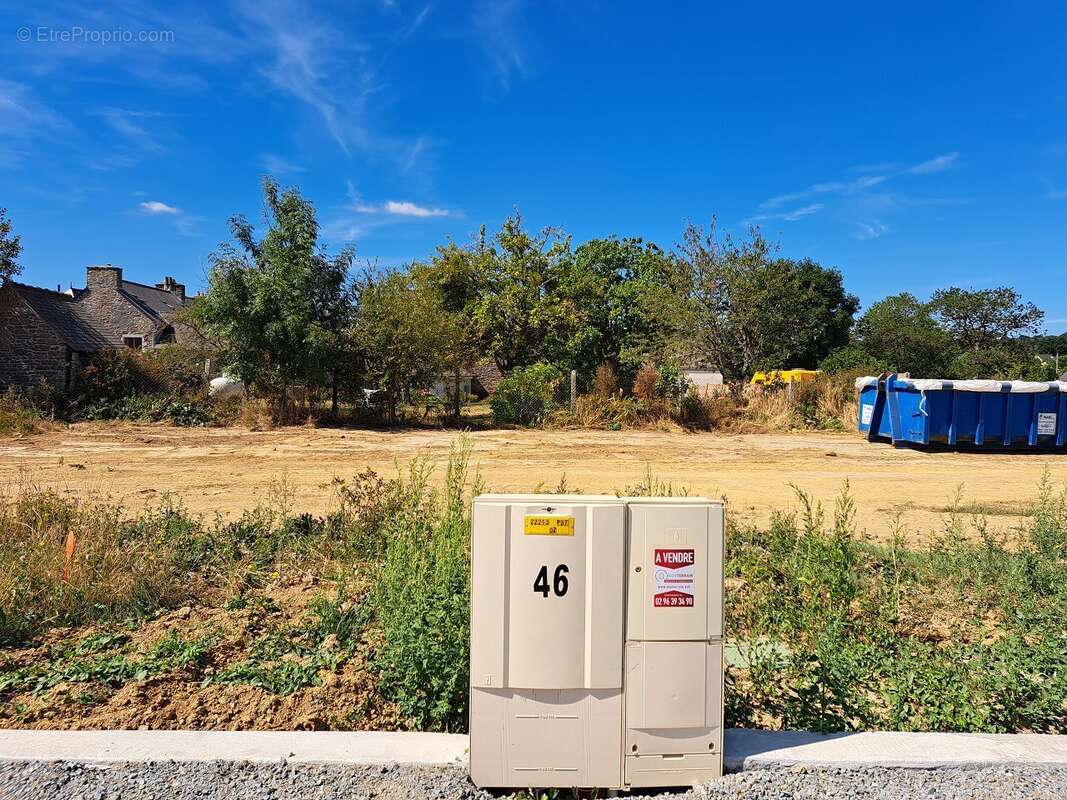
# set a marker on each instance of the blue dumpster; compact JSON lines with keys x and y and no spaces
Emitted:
{"x":980,"y":415}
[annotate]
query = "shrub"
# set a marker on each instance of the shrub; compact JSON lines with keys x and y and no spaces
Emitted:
{"x":645,"y":384}
{"x":163,"y":385}
{"x":672,"y":383}
{"x":421,"y":600}
{"x":829,"y":401}
{"x":596,"y":411}
{"x":852,"y":358}
{"x":526,"y":395}
{"x":605,"y":383}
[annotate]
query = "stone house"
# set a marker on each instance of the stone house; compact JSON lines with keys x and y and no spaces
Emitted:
{"x":46,"y":335}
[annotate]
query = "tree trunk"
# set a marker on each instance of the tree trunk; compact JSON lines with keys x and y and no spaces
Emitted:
{"x":333,"y":395}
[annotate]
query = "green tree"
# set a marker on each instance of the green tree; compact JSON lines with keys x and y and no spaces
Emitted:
{"x":410,"y":340}
{"x":901,"y":332}
{"x":279,"y":305}
{"x":10,"y":248}
{"x":517,"y":308}
{"x":986,"y":318}
{"x":626,"y":304}
{"x":752,"y":309}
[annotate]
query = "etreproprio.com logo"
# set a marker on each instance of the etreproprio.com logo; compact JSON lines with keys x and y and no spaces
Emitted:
{"x":77,"y":34}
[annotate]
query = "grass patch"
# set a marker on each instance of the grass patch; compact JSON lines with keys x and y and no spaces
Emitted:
{"x":840,"y":634}
{"x":829,"y":632}
{"x":103,"y":660}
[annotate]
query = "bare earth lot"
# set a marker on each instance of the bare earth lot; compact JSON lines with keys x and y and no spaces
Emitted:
{"x":228,"y":470}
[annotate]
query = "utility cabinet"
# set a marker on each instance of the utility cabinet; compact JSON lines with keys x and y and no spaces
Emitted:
{"x":596,"y":641}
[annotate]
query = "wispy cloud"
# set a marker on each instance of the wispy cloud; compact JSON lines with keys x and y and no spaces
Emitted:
{"x":938,"y":164}
{"x":276,"y":165}
{"x":1056,"y":194}
{"x":24,"y":119}
{"x":304,"y":63}
{"x":870,"y":230}
{"x":860,"y":187}
{"x":157,"y":207}
{"x":837,"y":187}
{"x":131,"y":126}
{"x":788,"y":216}
{"x":497,"y":23}
{"x":417,"y":22}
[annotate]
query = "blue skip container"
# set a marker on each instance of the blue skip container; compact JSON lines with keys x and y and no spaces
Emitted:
{"x":971,"y":415}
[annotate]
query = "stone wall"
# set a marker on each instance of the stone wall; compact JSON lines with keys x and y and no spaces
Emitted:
{"x":116,"y":316}
{"x":30,"y":351}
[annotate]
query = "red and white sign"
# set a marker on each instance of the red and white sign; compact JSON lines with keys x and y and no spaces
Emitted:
{"x":673,"y":576}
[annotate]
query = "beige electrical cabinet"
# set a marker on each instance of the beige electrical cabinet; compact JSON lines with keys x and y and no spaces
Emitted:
{"x":596,"y":641}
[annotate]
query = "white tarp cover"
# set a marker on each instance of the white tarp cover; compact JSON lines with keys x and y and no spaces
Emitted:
{"x":923,"y":384}
{"x":936,"y":384}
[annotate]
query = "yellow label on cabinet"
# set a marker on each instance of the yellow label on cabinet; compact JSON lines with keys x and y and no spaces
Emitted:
{"x":544,"y":525}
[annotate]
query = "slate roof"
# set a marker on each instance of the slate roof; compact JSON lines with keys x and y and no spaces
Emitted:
{"x":158,"y":302}
{"x":66,"y":317}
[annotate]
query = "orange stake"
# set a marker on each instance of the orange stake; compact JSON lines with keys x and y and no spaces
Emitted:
{"x":70,"y":556}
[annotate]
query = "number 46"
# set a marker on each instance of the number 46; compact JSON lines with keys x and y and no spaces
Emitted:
{"x":559,"y":581}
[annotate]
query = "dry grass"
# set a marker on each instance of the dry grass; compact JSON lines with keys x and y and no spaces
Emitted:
{"x":65,"y":562}
{"x":18,"y":416}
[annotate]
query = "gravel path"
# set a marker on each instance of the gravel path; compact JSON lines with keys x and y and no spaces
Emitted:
{"x":247,"y":781}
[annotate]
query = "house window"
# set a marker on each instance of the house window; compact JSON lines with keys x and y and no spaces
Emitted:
{"x":133,"y":342}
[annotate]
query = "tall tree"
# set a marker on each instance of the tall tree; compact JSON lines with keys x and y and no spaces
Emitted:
{"x":410,"y":340}
{"x":902,"y":333}
{"x":279,"y":304}
{"x":755,"y":310}
{"x":10,"y":248}
{"x":515,"y":311}
{"x":626,"y":298}
{"x":985,"y":318}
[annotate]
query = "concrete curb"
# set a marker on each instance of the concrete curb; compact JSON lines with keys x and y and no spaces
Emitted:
{"x":304,"y":747}
{"x":745,"y":749}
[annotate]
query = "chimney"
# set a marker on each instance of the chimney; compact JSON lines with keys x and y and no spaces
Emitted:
{"x":172,"y":286}
{"x":103,"y":276}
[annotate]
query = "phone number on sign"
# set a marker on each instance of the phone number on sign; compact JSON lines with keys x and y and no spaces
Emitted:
{"x":672,"y":601}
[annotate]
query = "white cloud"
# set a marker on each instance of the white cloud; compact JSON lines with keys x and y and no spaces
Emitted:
{"x":857,"y":187}
{"x":276,"y":165}
{"x":156,"y":207}
{"x":870,"y":230}
{"x":788,"y":216}
{"x":1056,"y":194}
{"x":417,"y":23}
{"x":305,"y":65}
{"x":130,"y":125}
{"x":24,"y":120}
{"x":836,"y":187}
{"x":938,"y":164}
{"x":415,"y":153}
{"x":406,"y":209}
{"x":497,"y":23}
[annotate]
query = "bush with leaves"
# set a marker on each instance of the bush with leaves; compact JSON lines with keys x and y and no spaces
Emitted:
{"x":525,"y":396}
{"x":421,"y":599}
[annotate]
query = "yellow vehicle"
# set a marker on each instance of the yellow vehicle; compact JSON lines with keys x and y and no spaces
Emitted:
{"x":785,"y":376}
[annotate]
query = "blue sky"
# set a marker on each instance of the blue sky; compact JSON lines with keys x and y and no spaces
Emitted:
{"x":912,"y":145}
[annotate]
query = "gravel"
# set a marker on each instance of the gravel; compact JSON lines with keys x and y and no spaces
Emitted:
{"x":228,"y":780}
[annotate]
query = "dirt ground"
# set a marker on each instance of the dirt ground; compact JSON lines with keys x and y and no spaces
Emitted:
{"x":226,"y":470}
